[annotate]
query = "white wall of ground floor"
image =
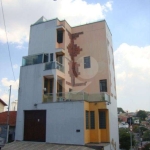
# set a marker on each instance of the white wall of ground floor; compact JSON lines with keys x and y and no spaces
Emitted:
{"x":113,"y":122}
{"x":63,"y":119}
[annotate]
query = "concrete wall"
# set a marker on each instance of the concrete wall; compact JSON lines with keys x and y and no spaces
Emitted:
{"x":63,"y":119}
{"x":43,"y":38}
{"x":1,"y":107}
{"x":113,"y":120}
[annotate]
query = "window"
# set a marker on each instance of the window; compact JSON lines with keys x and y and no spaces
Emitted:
{"x":60,"y":36}
{"x":102,"y":120}
{"x":92,"y":119}
{"x":87,"y":63}
{"x":87,"y":119}
{"x":48,"y":85}
{"x":103,"y":85}
{"x":45,"y":57}
{"x":51,"y":57}
{"x":70,"y":90}
{"x":60,"y":59}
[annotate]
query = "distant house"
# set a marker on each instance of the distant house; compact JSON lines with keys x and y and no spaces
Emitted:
{"x":12,"y":124}
{"x":2,"y":105}
{"x":123,"y":125}
{"x":14,"y":105}
{"x":136,"y":120}
{"x":132,"y":114}
{"x":122,"y":117}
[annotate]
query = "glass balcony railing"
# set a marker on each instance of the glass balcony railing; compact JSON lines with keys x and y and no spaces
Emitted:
{"x":48,"y":97}
{"x":72,"y":96}
{"x":34,"y":59}
{"x":54,"y":65}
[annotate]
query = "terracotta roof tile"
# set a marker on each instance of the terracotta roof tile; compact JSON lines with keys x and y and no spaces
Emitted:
{"x":12,"y":118}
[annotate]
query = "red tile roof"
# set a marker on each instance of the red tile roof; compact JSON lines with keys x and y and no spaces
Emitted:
{"x":12,"y":118}
{"x":1,"y":101}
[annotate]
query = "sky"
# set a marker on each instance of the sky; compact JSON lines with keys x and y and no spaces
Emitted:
{"x":129,"y":23}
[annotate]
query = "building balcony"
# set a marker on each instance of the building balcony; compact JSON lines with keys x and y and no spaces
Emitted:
{"x":54,"y":65}
{"x":76,"y":96}
{"x":35,"y":59}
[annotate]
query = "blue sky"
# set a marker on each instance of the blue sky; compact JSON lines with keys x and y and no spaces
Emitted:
{"x":129,"y":22}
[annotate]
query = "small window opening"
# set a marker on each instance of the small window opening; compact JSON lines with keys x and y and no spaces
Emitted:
{"x":51,"y":57}
{"x":103,"y":85}
{"x":60,"y":36}
{"x":45,"y":58}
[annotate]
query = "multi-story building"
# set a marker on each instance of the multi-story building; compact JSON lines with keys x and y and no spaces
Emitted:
{"x":67,"y":91}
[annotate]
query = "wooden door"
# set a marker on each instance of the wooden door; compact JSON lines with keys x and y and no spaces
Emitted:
{"x":35,"y":125}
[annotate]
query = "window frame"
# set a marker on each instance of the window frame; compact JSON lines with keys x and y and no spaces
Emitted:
{"x":102,"y":119}
{"x":87,"y":119}
{"x":92,"y":120}
{"x":103,"y":85}
{"x":87,"y":62}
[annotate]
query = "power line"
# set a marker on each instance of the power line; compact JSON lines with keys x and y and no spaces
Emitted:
{"x":7,"y":42}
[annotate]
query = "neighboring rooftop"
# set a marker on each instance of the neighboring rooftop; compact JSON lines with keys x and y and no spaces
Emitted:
{"x":2,"y":102}
{"x":12,"y":118}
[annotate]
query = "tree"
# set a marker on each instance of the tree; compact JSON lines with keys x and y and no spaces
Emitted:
{"x":120,"y":110}
{"x":147,"y":147}
{"x":136,"y":129}
{"x":142,"y":114}
{"x":124,"y":138}
{"x":146,"y":135}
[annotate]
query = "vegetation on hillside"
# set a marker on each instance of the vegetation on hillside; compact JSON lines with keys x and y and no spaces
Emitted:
{"x":124,"y":138}
{"x":120,"y":110}
{"x":142,"y":114}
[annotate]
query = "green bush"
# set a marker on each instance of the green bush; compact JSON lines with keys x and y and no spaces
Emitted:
{"x":147,"y":147}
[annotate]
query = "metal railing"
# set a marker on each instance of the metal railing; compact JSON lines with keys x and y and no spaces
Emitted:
{"x":54,"y":65}
{"x":72,"y":96}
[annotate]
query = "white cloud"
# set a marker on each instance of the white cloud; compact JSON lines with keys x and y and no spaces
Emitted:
{"x":108,"y":6}
{"x":15,"y":66}
{"x":132,"y":66}
{"x":5,"y":98}
{"x":6,"y":82}
{"x":19,"y":15}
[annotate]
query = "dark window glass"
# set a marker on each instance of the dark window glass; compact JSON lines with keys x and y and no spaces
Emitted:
{"x":60,"y":59}
{"x":87,"y":63}
{"x":70,"y":90}
{"x":45,"y":85}
{"x":45,"y":57}
{"x":102,"y":119}
{"x":51,"y":57}
{"x":92,"y":119}
{"x":87,"y":119}
{"x":59,"y":36}
{"x":103,"y":85}
{"x":51,"y":85}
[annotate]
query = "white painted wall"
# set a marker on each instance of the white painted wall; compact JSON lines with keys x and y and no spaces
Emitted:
{"x":113,"y":117}
{"x":113,"y":122}
{"x":63,"y":118}
{"x":43,"y":38}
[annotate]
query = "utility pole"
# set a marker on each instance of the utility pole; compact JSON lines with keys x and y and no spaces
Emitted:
{"x":131,"y":133}
{"x":8,"y":115}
